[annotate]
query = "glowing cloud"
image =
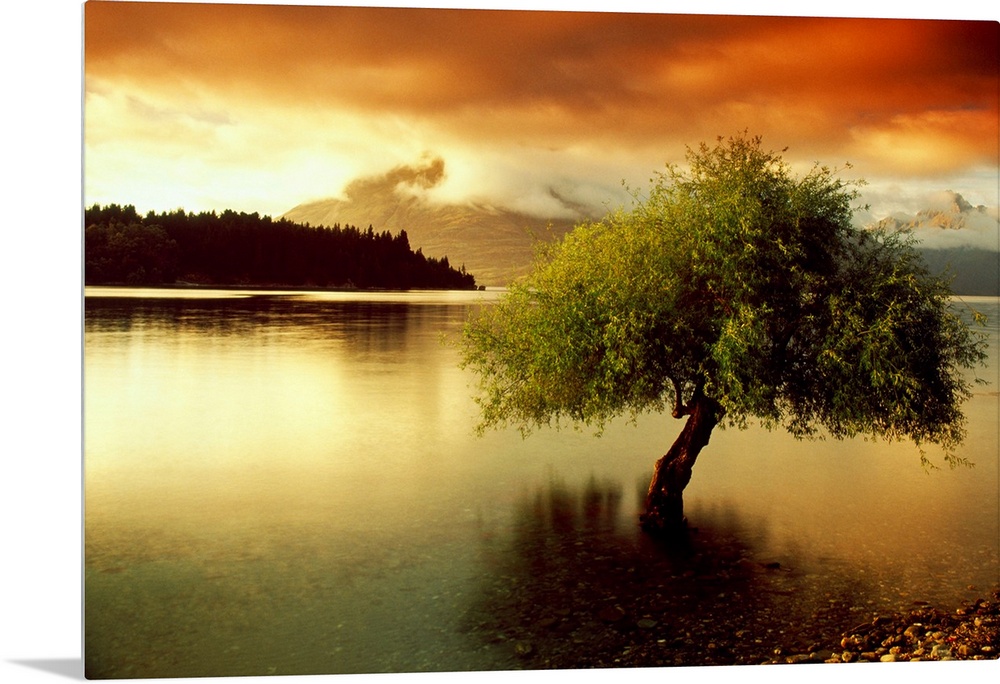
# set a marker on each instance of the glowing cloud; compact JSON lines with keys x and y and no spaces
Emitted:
{"x":261,"y":108}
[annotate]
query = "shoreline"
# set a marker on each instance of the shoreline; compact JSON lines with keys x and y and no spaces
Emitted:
{"x":925,"y":633}
{"x":273,"y":286}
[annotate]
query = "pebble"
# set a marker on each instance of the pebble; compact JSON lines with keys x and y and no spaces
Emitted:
{"x":972,"y":632}
{"x":611,"y":614}
{"x":647,"y":622}
{"x":798,"y":659}
{"x":940,"y":651}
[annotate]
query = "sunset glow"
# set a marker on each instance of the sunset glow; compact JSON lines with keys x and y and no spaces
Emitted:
{"x":261,"y":108}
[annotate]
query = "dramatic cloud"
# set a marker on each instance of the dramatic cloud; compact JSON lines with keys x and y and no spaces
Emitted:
{"x":264,"y":107}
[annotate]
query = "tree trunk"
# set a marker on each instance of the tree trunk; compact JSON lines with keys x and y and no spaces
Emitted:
{"x":664,"y":514}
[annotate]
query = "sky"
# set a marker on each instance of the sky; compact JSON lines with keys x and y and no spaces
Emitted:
{"x":261,"y":108}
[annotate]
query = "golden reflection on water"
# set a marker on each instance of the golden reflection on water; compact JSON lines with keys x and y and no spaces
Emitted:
{"x":291,"y":484}
{"x":187,"y":424}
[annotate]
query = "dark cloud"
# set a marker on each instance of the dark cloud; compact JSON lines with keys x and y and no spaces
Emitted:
{"x":584,"y":64}
{"x":564,"y":95}
{"x":406,"y":178}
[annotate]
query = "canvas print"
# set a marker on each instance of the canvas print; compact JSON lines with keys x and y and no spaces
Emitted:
{"x":453,"y":340}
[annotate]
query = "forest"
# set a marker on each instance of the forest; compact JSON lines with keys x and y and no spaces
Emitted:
{"x":177,"y":247}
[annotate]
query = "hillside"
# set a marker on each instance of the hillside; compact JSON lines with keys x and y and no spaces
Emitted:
{"x":497,"y":245}
{"x":122,"y":247}
{"x":494,"y":244}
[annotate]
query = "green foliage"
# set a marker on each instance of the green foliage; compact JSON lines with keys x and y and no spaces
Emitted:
{"x":739,"y":280}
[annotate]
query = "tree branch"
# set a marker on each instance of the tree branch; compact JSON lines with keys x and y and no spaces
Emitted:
{"x":679,"y":408}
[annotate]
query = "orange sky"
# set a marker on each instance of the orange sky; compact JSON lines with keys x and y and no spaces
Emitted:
{"x":260,"y":108}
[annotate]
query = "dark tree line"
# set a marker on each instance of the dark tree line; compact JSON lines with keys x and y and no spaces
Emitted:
{"x":231,"y":248}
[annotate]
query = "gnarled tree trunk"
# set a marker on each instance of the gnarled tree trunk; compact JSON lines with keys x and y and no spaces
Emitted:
{"x":664,"y":514}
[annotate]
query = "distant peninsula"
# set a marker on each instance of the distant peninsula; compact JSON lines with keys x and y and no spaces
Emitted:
{"x":121,"y":247}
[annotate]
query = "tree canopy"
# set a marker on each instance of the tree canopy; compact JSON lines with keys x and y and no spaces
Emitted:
{"x":737,"y":281}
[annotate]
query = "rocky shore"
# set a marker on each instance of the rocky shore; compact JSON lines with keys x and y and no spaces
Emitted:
{"x":567,"y":594}
{"x":583,"y":606}
{"x":972,"y":632}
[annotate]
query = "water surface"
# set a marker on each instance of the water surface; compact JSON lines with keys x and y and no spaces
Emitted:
{"x":289,"y":483}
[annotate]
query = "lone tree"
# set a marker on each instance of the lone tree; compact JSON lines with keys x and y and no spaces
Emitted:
{"x":734,"y":292}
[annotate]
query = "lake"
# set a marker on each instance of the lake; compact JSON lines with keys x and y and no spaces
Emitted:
{"x":290,"y":483}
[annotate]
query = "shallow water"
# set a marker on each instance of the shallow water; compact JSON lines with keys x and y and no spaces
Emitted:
{"x":289,"y":483}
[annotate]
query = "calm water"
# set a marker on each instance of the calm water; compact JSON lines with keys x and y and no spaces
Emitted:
{"x":282,"y":483}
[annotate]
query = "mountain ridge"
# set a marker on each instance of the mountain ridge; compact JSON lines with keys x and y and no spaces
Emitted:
{"x":498,"y":245}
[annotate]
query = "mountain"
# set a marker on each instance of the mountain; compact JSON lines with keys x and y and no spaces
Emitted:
{"x":956,"y":238}
{"x":948,"y":211}
{"x":495,"y":245}
{"x":974,"y":272}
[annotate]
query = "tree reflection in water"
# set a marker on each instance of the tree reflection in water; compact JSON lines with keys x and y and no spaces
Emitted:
{"x":578,"y":586}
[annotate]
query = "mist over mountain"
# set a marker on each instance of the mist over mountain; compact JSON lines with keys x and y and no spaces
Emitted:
{"x":497,"y":245}
{"x":956,"y":238}
{"x":949,"y":221}
{"x":494,"y":244}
